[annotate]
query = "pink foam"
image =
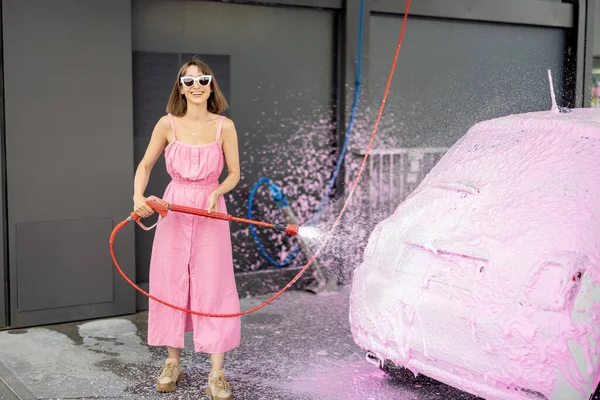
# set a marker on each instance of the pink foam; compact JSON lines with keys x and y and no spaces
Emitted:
{"x":490,"y":270}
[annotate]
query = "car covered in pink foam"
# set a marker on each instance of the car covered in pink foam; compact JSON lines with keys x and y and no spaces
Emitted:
{"x":486,"y":277}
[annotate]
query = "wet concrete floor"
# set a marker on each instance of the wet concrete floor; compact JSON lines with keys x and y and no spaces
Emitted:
{"x":299,"y":347}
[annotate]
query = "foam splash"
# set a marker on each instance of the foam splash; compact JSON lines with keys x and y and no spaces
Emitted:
{"x":310,"y":233}
{"x":552,"y":95}
{"x":555,"y":107}
{"x":340,"y":250}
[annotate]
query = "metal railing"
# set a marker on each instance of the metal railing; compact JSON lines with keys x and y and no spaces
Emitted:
{"x":390,"y":176}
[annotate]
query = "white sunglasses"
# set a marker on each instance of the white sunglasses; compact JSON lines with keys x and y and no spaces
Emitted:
{"x":203,"y":80}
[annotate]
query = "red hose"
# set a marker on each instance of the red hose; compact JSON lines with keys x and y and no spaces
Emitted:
{"x":316,"y":253}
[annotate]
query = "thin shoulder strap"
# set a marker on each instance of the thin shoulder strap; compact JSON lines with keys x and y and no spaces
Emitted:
{"x":172,"y":126}
{"x":221,"y":120}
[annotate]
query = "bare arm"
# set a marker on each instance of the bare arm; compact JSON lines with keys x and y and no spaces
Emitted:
{"x":232,"y":158}
{"x":158,"y":141}
{"x":231,"y":152}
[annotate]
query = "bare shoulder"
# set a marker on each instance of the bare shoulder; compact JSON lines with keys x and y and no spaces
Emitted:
{"x":163,"y":123}
{"x":228,"y":126}
{"x":162,"y":127}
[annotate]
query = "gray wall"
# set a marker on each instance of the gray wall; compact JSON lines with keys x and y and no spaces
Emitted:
{"x":70,"y":135}
{"x":282,"y":75}
{"x":4,"y":289}
{"x":68,"y":105}
{"x":452,"y":74}
{"x":597,"y":29}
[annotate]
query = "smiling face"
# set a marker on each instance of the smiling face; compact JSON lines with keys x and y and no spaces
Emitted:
{"x":195,"y":85}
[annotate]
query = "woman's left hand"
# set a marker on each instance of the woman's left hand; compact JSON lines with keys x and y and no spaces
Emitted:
{"x":213,"y":202}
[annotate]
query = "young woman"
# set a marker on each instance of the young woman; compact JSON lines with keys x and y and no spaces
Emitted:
{"x":191,"y":263}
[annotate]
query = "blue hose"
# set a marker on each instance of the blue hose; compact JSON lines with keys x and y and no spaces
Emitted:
{"x":276,"y":192}
{"x":279,"y":197}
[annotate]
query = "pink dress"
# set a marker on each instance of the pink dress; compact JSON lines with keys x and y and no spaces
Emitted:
{"x":192,"y":264}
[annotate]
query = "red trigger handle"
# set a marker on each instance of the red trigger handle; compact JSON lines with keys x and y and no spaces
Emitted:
{"x":158,"y":205}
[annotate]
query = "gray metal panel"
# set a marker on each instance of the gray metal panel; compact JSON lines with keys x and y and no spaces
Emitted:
{"x":332,"y":4}
{"x":585,"y":51}
{"x":578,"y":57}
{"x":596,"y":43}
{"x":68,"y":138}
{"x":578,"y":49}
{"x":3,"y":259}
{"x":451,"y":74}
{"x":45,"y":259}
{"x":3,"y":299}
{"x":528,"y":12}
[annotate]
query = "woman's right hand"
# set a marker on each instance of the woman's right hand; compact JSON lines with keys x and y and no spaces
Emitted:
{"x":141,"y":208}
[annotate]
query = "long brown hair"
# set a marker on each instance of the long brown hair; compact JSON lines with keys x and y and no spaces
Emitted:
{"x":177,"y":104}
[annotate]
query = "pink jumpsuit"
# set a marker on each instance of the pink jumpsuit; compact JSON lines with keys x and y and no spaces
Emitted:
{"x":192,"y":264}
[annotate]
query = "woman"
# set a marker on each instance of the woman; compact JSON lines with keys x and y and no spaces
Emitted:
{"x":192,"y":263}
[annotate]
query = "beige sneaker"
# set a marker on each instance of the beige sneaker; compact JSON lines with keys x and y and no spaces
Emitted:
{"x":170,"y":376}
{"x":218,"y":388}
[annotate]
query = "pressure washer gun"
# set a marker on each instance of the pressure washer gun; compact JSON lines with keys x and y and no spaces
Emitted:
{"x":321,"y":283}
{"x":162,"y":208}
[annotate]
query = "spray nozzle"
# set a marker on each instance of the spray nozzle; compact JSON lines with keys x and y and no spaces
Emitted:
{"x":289,"y":229}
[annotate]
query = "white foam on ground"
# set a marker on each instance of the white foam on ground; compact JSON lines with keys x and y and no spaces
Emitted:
{"x":52,"y":365}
